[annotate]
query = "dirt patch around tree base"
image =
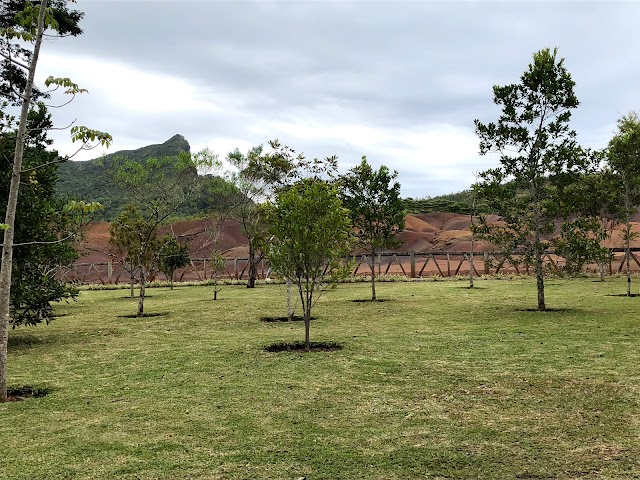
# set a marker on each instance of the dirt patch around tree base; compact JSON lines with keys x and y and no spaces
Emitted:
{"x":300,"y":347}
{"x":23,"y":393}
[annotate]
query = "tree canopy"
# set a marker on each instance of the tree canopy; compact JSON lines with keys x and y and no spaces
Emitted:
{"x":537,"y":150}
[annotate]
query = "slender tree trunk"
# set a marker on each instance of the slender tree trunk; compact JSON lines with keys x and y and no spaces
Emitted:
{"x":307,"y":325}
{"x":373,"y":277}
{"x":289,"y":304}
{"x":540,"y":278}
{"x":253,"y":267}
{"x":171,"y":280}
{"x":133,"y":280}
{"x":473,"y":237}
{"x":12,"y":202}
{"x":215,"y":292}
{"x":627,"y":253}
{"x":143,"y":282}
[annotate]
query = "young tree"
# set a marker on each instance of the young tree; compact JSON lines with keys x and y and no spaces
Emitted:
{"x":159,"y":186}
{"x":21,"y":24}
{"x":218,"y":269}
{"x":595,"y":197}
{"x":256,"y":177}
{"x":624,"y":161}
{"x":172,"y":256}
{"x":310,"y":229}
{"x":535,"y":144}
{"x":376,"y":210}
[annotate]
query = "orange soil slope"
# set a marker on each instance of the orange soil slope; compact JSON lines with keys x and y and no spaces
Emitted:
{"x":440,"y":231}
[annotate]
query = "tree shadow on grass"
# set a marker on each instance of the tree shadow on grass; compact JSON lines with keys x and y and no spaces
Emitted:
{"x":633,"y":295}
{"x":300,"y":347}
{"x":26,"y":342}
{"x":144,"y":315}
{"x":550,"y":310}
{"x":284,"y":319}
{"x":28,"y":391}
{"x":368,"y":300}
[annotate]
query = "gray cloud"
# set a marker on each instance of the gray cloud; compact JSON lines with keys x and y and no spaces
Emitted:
{"x":387,"y":66}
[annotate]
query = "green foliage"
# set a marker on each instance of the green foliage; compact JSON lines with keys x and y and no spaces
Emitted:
{"x":172,"y":256}
{"x":579,"y":243}
{"x":41,"y":217}
{"x":374,"y":204}
{"x":310,"y":231}
{"x":136,"y":238}
{"x":459,"y":202}
{"x":624,"y":162}
{"x":538,"y":156}
{"x":375,"y":207}
{"x":60,"y":18}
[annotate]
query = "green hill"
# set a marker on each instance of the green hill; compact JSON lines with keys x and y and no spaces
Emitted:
{"x":459,"y":202}
{"x":90,"y":181}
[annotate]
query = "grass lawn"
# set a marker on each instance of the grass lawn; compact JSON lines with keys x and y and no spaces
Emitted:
{"x":437,"y":382}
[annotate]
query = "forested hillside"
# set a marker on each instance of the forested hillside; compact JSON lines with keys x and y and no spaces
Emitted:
{"x":91,"y":181}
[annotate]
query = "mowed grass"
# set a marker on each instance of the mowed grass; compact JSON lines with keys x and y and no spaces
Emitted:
{"x":439,"y":381}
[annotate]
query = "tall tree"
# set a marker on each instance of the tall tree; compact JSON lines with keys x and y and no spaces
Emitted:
{"x":535,"y":145}
{"x":27,"y":27}
{"x":257,"y":175}
{"x":310,"y":229}
{"x":376,"y":210}
{"x":158,"y":187}
{"x":624,"y":161}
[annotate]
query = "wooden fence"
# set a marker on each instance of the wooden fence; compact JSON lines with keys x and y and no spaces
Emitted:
{"x":413,"y":265}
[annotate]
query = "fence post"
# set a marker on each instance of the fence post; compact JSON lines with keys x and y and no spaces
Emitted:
{"x":235,"y":268}
{"x":486,"y":263}
{"x":448,"y":265}
{"x":412,"y":258}
{"x":109,"y":270}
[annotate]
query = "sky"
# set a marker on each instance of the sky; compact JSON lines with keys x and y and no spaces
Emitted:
{"x":400,"y":81}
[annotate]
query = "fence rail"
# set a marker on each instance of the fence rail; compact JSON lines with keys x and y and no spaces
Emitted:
{"x":412,"y":264}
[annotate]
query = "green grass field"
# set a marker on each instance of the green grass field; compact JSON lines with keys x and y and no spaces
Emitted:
{"x":437,"y":382}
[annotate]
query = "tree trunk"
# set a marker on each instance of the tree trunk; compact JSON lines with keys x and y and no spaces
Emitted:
{"x":171,"y":280}
{"x":627,"y":252}
{"x":215,"y":293}
{"x":603,"y":270}
{"x":12,"y":202}
{"x":133,"y":280}
{"x":373,"y":277}
{"x":307,"y":324}
{"x":253,"y":268}
{"x":143,"y":281}
{"x":473,"y":237}
{"x":289,"y":304}
{"x":540,"y":280}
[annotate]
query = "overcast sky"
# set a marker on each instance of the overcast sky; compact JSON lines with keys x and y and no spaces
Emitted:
{"x":399,"y":82}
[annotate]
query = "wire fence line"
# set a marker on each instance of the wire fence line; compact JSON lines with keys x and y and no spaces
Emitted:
{"x":411,"y":264}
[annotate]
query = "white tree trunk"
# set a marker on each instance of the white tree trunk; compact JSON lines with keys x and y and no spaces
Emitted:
{"x":12,"y":202}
